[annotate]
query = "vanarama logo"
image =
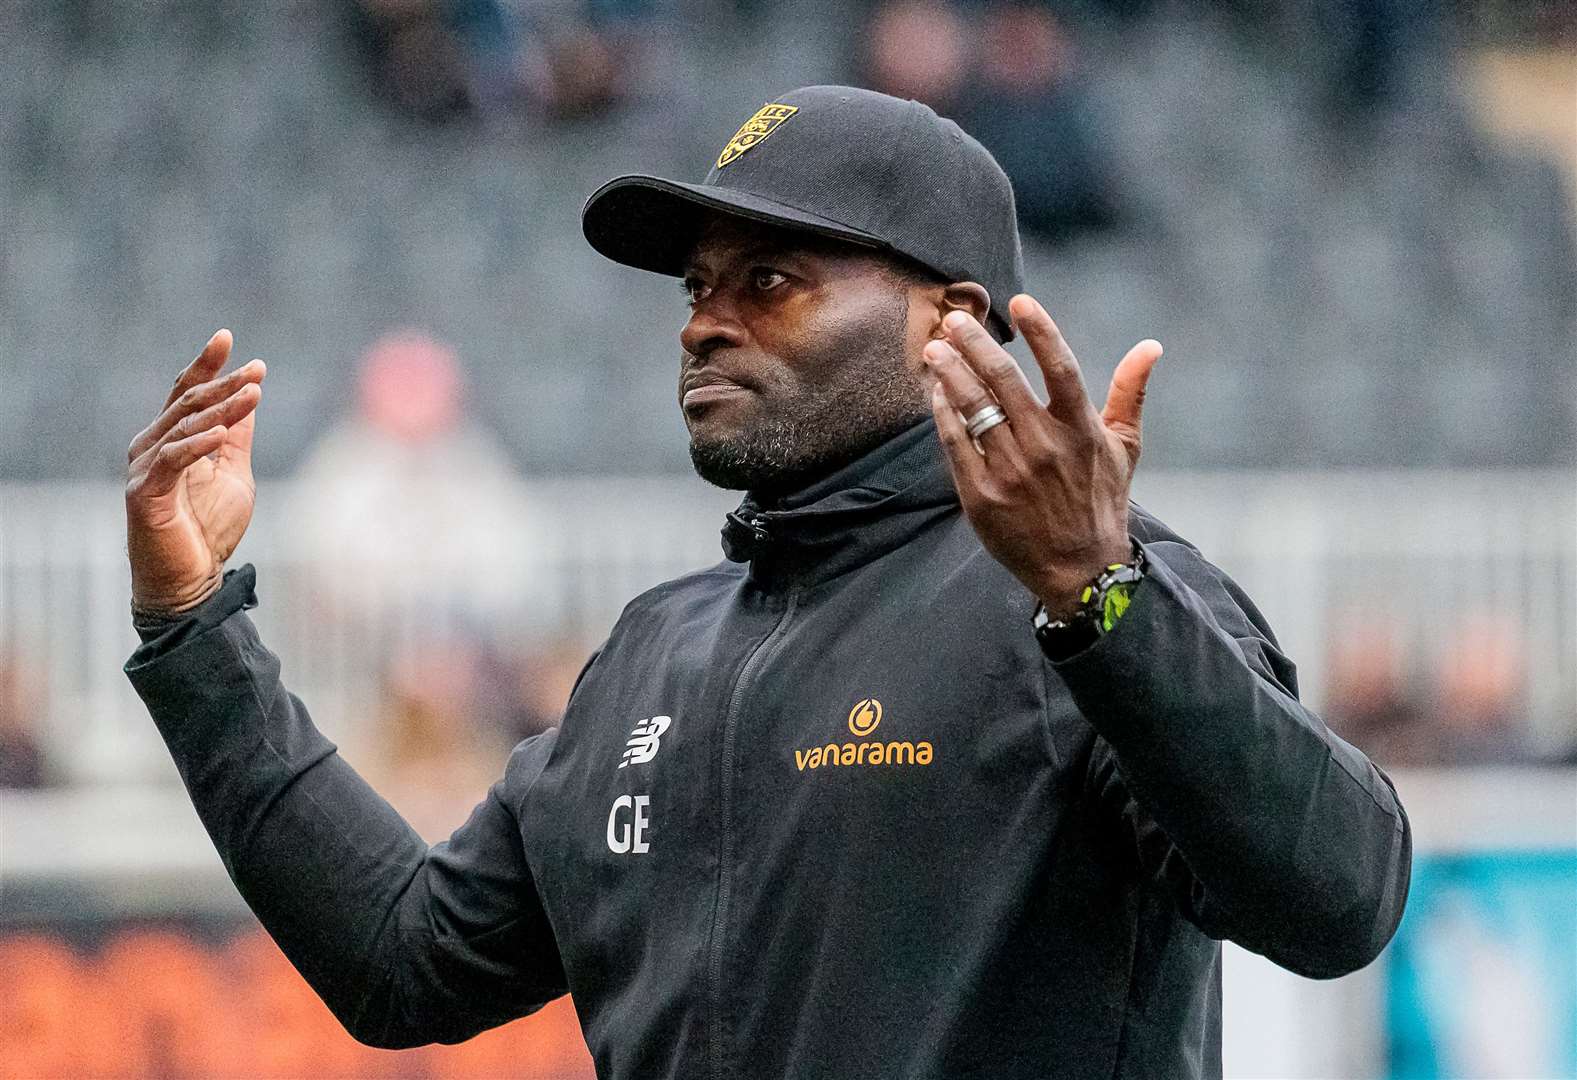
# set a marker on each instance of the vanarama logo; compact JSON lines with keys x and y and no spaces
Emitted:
{"x":863,"y":719}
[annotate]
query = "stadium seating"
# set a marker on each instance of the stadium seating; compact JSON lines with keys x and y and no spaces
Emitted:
{"x":1403,"y":296}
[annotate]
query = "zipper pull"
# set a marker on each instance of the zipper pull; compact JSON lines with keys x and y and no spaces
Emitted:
{"x":743,"y":535}
{"x":757,"y":526}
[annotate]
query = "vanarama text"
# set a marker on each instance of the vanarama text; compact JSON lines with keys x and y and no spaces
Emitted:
{"x":864,"y":753}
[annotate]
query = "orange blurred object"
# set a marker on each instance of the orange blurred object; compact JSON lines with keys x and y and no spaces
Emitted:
{"x":161,"y":1003}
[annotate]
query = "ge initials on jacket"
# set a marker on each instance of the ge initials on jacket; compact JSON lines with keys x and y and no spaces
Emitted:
{"x":826,"y":810}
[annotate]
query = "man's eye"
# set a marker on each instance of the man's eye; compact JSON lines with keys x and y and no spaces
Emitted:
{"x":693,"y":290}
{"x":765,"y":279}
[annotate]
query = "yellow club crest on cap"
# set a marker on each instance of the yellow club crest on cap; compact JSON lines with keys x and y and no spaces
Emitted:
{"x":752,"y":131}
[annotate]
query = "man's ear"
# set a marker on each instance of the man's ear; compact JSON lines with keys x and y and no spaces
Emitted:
{"x":967,"y":296}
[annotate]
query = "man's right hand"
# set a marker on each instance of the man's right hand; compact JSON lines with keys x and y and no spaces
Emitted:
{"x":189,"y":488}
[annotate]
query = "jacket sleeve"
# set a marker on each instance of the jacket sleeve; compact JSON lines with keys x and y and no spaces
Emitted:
{"x":1266,"y":828}
{"x":406,"y":944}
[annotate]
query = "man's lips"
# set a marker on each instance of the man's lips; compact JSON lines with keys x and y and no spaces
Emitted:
{"x":712,"y":391}
{"x":705,"y":388}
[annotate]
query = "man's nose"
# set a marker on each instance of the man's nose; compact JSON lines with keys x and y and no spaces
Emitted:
{"x":713,"y":324}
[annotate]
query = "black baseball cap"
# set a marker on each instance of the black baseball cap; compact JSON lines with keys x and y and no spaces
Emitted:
{"x":840,"y":162}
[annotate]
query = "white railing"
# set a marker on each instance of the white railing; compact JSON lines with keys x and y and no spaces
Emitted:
{"x":1426,"y":550}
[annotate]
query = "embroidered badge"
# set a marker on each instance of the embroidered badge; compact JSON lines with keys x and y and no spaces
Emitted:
{"x":767,"y":120}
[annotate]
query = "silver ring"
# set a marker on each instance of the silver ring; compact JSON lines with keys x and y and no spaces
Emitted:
{"x":984,"y":420}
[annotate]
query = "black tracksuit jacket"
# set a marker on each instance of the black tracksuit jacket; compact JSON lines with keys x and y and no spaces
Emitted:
{"x":825,"y":810}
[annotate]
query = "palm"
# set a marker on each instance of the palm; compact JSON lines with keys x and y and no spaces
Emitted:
{"x":215,"y":496}
{"x":189,"y":494}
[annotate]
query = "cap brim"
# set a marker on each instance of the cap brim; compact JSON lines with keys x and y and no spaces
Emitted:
{"x":652,"y":224}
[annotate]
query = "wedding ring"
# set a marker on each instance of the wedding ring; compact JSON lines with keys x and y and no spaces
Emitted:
{"x":984,"y":420}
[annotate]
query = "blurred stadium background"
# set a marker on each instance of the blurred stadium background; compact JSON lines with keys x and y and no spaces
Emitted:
{"x":1350,"y":221}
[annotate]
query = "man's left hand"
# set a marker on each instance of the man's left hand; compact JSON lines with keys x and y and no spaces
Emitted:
{"x":1047,"y":491}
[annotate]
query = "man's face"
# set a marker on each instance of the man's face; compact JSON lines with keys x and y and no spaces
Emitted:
{"x":799,"y":356}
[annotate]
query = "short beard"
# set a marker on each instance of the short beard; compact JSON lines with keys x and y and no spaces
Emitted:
{"x":874,"y":398}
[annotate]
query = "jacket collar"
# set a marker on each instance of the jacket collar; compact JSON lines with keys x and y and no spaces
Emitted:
{"x":865,"y":509}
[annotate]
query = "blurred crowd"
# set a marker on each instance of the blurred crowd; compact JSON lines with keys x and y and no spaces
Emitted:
{"x":444,"y":59}
{"x":1012,"y":72}
{"x":1007,"y":71}
{"x":1459,"y":704}
{"x":1348,"y":217}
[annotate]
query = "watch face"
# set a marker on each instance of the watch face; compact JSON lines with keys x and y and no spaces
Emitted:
{"x":1102,"y":603}
{"x":1114,"y":602}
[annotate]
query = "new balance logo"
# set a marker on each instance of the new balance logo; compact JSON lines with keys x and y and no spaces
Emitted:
{"x":644,"y":741}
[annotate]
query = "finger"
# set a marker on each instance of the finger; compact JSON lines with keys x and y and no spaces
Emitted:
{"x":967,"y":464}
{"x":225,"y":413}
{"x":187,"y":405}
{"x":206,"y":364}
{"x":1125,"y":399}
{"x":174,"y":457}
{"x":238,"y":445}
{"x":967,"y":395}
{"x":192,"y":399}
{"x":963,"y":388}
{"x":994,"y":365}
{"x":1070,"y":402}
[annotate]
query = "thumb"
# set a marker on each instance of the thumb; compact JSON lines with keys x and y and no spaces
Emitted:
{"x":1125,"y":398}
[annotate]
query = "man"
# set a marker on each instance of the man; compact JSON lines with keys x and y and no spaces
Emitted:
{"x":959,"y":766}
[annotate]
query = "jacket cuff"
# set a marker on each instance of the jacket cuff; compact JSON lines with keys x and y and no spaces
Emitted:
{"x":196,"y":677}
{"x":161,"y":634}
{"x":1167,"y":629}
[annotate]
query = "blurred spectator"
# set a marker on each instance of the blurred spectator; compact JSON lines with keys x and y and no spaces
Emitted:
{"x":577,"y":69}
{"x":432,"y":761}
{"x":543,"y":682}
{"x":919,"y":49}
{"x":416,"y":60}
{"x":1370,"y":701}
{"x":1366,"y":45}
{"x":442,"y":59}
{"x":1480,"y":690}
{"x":408,"y":507}
{"x":22,"y":762}
{"x":1472,"y":713}
{"x":1008,"y":73}
{"x":1352,"y":56}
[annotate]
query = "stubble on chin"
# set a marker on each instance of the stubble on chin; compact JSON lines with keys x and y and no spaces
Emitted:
{"x":814,"y":434}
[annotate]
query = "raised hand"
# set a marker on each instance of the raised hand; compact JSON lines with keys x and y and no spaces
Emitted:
{"x":1047,"y":491}
{"x":189,"y":488}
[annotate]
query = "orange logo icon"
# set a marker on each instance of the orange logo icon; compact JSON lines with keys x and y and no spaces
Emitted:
{"x":864,"y":717}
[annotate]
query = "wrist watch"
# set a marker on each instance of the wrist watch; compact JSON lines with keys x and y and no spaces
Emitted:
{"x":1101,"y":603}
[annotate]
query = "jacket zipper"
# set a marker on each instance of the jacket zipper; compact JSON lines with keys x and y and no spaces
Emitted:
{"x":725,"y":869}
